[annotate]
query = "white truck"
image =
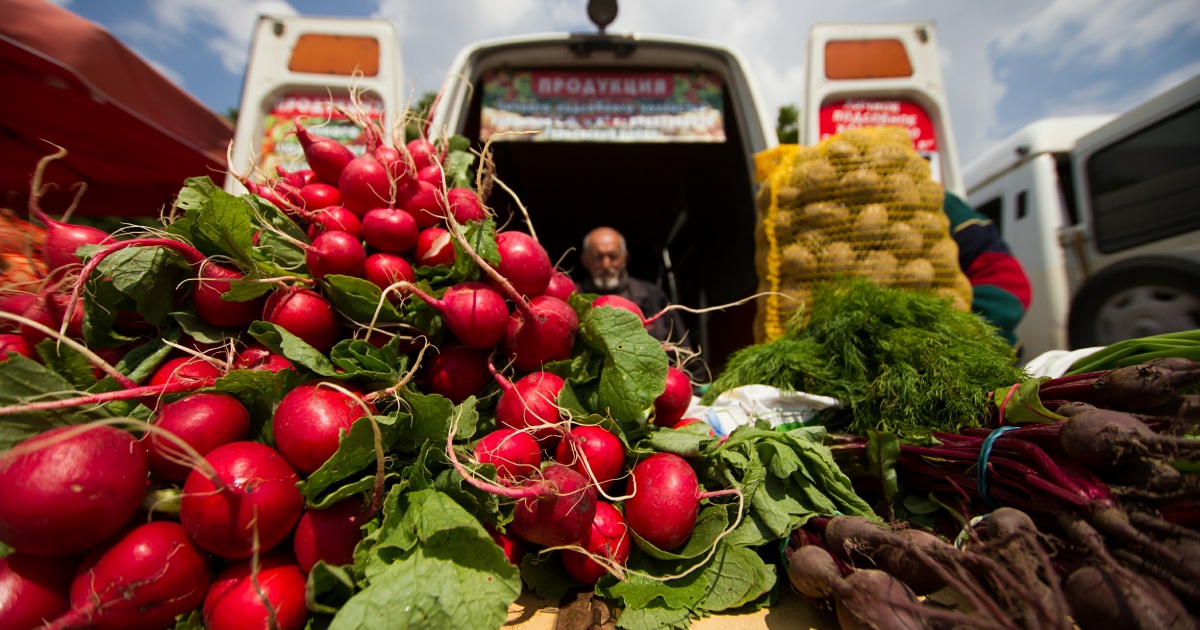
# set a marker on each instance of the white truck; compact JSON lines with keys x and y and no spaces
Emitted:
{"x":1103,"y":212}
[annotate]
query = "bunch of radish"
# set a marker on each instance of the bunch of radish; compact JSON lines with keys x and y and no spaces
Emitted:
{"x":232,"y":355}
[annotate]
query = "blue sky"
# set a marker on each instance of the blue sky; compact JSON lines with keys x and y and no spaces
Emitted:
{"x":1004,"y":63}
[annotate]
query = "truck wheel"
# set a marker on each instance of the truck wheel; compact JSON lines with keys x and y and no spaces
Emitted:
{"x":1136,"y":298}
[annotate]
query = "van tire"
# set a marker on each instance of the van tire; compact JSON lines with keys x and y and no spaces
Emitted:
{"x":1136,"y":298}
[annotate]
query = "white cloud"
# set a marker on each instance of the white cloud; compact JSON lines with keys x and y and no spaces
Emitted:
{"x":234,"y":21}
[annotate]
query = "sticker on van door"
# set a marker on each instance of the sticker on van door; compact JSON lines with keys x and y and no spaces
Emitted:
{"x":320,"y":114}
{"x":838,"y":116}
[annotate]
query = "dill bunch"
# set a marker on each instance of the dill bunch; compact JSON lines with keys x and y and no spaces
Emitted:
{"x":902,"y":361}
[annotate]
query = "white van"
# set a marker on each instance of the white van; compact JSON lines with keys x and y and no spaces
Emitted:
{"x":1104,"y":214}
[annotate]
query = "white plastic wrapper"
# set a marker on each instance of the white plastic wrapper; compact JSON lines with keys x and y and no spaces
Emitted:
{"x":1055,"y":363}
{"x":744,"y":405}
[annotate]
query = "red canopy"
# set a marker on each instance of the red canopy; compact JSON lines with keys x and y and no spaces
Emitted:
{"x":130,"y":133}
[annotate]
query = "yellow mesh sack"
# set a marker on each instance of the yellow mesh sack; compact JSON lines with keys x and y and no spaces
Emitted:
{"x":861,"y":203}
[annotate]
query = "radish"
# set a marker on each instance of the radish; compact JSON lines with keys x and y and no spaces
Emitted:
{"x":330,"y":535}
{"x":205,"y":420}
{"x":316,"y":196}
{"x":63,"y":239}
{"x":424,"y":153}
{"x":33,"y":590}
{"x":296,"y":179}
{"x":426,"y":205}
{"x":65,"y":490}
{"x":334,"y":218}
{"x":463,"y":204}
{"x":142,"y":581}
{"x":390,"y":230}
{"x":10,"y":342}
{"x":305,"y":314}
{"x":458,"y":372}
{"x":524,"y":263}
{"x":515,"y":454}
{"x":15,"y":303}
{"x":617,"y":301}
{"x":560,"y":286}
{"x":327,"y":157}
{"x":540,"y":331}
{"x":665,"y":500}
{"x":335,"y":253}
{"x":310,"y":421}
{"x":384,"y":270}
{"x":532,"y":402}
{"x":512,"y":546}
{"x":673,"y":403}
{"x":594,"y":453}
{"x":609,"y":538}
{"x":49,"y":311}
{"x":433,"y":175}
{"x":234,"y":602}
{"x":473,"y":312}
{"x":257,"y":357}
{"x":434,"y":248}
{"x":257,"y":495}
{"x":365,"y":185}
{"x":186,"y":369}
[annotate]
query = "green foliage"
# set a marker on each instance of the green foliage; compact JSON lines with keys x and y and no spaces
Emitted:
{"x":787,"y":125}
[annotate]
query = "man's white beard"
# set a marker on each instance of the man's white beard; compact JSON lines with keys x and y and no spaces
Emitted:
{"x":608,"y":280}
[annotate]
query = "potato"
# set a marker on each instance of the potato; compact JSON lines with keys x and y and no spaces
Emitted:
{"x":931,"y":193}
{"x":870,"y":224}
{"x":840,"y":152}
{"x":838,"y":258}
{"x":860,"y":186}
{"x":797,"y":260}
{"x":880,"y":267}
{"x":885,"y":158}
{"x":915,"y":274}
{"x":762,"y":200}
{"x":788,"y":197}
{"x":813,"y":174}
{"x":903,"y":240}
{"x":825,"y":215}
{"x":943,"y":255}
{"x":931,"y":225}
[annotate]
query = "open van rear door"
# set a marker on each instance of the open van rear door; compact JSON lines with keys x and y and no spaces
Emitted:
{"x":300,"y":65}
{"x":869,"y":75}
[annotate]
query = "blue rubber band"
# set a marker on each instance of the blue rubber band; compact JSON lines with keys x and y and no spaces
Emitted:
{"x":985,"y":452}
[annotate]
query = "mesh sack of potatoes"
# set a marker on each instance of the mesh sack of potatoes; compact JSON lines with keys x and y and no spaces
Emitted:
{"x":860,"y":203}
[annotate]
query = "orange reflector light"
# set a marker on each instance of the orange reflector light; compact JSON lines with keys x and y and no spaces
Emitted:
{"x":866,"y":59}
{"x":335,"y":54}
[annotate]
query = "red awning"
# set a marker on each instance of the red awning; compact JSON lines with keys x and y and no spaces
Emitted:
{"x":131,"y":134}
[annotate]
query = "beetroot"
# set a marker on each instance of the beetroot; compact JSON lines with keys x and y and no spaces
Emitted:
{"x":305,"y":314}
{"x":258,"y":490}
{"x":673,"y":403}
{"x":532,"y":402}
{"x":330,"y":535}
{"x":609,"y":538}
{"x":384,"y":270}
{"x":335,"y":253}
{"x":63,"y":239}
{"x":1102,"y":438}
{"x":205,"y":420}
{"x":515,"y":454}
{"x":591,"y":447}
{"x":145,"y":579}
{"x":523,"y":262}
{"x":561,"y":286}
{"x":34,"y":590}
{"x":434,"y":247}
{"x":334,"y":218}
{"x":542,"y":331}
{"x":458,"y":372}
{"x":309,"y":422}
{"x":327,"y":157}
{"x":233,"y":603}
{"x":66,"y":490}
{"x":812,"y":571}
{"x":390,"y":230}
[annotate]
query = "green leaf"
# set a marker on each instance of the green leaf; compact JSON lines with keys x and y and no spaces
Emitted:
{"x":457,"y":168}
{"x":359,"y":299}
{"x":190,"y":621}
{"x":1024,"y":406}
{"x":67,"y":362}
{"x":685,"y":441}
{"x":546,"y":576}
{"x":736,"y":576}
{"x":644,"y":584}
{"x":712,"y":521}
{"x":362,"y":360}
{"x":355,"y":452}
{"x":260,"y":391}
{"x":280,"y":341}
{"x":328,"y":588}
{"x":149,"y":275}
{"x":198,"y":329}
{"x":226,"y":224}
{"x":634,"y":372}
{"x":101,"y":303}
{"x":432,"y":414}
{"x":655,"y":617}
{"x":883,"y":451}
{"x":23,"y":380}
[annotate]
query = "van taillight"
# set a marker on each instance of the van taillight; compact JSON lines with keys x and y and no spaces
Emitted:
{"x":335,"y":54}
{"x":866,"y":59}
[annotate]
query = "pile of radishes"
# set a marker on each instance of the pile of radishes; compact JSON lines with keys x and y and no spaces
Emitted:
{"x":186,"y":392}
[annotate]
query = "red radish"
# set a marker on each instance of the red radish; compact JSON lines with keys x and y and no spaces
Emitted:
{"x":266,"y":193}
{"x":397,"y":164}
{"x":609,"y":538}
{"x":591,"y":447}
{"x":304,"y":313}
{"x":334,"y":218}
{"x":434,"y":247}
{"x":617,"y":301}
{"x":561,"y":286}
{"x":539,"y":332}
{"x":327,"y":157}
{"x":532,"y":402}
{"x":384,"y":270}
{"x":317,"y":195}
{"x":390,"y":230}
{"x":49,"y":310}
{"x":524,"y":263}
{"x":673,"y":403}
{"x":432,"y":175}
{"x":233,"y":602}
{"x":10,"y":342}
{"x":335,"y":253}
{"x":206,"y":299}
{"x":458,"y":372}
{"x":296,"y":179}
{"x":257,"y":491}
{"x":666,"y":500}
{"x":65,"y":490}
{"x":426,"y":205}
{"x":142,"y":581}
{"x":33,"y":590}
{"x":62,"y":239}
{"x":257,"y":357}
{"x":424,"y":153}
{"x":310,"y":421}
{"x":512,"y":547}
{"x":16,"y":303}
{"x":515,"y":454}
{"x":464,"y":205}
{"x":205,"y":420}
{"x":561,"y":510}
{"x":186,"y":369}
{"x":474,"y":313}
{"x":686,"y":421}
{"x":330,"y":535}
{"x":365,"y":185}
